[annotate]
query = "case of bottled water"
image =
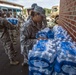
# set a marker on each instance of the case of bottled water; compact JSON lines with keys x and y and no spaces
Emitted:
{"x":66,"y":59}
{"x":13,"y":21}
{"x":45,"y":33}
{"x":53,"y":56}
{"x":42,"y":57}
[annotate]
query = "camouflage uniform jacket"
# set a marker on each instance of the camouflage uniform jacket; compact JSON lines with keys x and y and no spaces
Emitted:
{"x":27,"y":36}
{"x":5,"y":26}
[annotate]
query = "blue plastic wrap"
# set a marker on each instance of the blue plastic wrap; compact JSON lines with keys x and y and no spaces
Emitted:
{"x":41,"y":45}
{"x":42,"y":57}
{"x":40,"y":71}
{"x":45,"y":33}
{"x":68,"y":46}
{"x":14,"y":21}
{"x":54,"y":57}
{"x":66,"y":59}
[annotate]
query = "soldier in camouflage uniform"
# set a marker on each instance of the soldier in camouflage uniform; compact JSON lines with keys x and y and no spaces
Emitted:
{"x":32,"y":8}
{"x":13,"y":33}
{"x":28,"y":32}
{"x":44,"y":22}
{"x":5,"y":39}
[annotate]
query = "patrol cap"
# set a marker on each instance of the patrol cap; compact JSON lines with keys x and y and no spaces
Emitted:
{"x":39,"y":10}
{"x":33,"y":5}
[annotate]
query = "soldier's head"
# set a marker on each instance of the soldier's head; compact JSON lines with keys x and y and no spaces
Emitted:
{"x":1,"y":14}
{"x":8,"y":14}
{"x":37,"y":14}
{"x":4,"y":15}
{"x":32,"y":8}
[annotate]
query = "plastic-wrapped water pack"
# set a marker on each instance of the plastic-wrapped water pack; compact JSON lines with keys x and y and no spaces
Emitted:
{"x":14,"y":21}
{"x":60,"y":35}
{"x":45,"y":33}
{"x":42,"y":57}
{"x":57,"y":29}
{"x":53,"y":56}
{"x":66,"y":59}
{"x":40,"y":71}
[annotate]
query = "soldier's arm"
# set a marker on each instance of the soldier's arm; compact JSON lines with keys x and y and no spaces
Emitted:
{"x":24,"y":36}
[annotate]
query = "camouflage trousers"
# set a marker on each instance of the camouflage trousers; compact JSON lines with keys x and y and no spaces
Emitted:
{"x":9,"y":49}
{"x":13,"y":36}
{"x":26,"y":47}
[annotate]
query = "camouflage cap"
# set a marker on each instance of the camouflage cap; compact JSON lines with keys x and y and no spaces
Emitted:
{"x":33,"y":5}
{"x":40,"y":10}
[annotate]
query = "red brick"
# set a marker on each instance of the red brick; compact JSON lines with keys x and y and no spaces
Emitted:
{"x":75,"y":3}
{"x":74,"y":17}
{"x":71,"y":17}
{"x":74,"y":12}
{"x":73,"y":27}
{"x":73,"y":22}
{"x":68,"y":16}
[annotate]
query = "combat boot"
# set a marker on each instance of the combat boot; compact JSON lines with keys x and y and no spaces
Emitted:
{"x":25,"y":63}
{"x":14,"y":62}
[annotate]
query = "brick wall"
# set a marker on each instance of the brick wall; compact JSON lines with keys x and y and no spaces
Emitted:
{"x":67,"y":16}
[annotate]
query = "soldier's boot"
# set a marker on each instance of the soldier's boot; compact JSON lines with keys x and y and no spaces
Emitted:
{"x":12,"y":62}
{"x":25,"y":62}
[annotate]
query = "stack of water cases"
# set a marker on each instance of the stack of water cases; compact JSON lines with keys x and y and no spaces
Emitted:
{"x":13,"y":21}
{"x":66,"y":59}
{"x":55,"y":55}
{"x":41,"y":57}
{"x":65,"y":51}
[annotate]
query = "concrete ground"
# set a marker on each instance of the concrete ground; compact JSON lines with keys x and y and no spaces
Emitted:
{"x":6,"y":68}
